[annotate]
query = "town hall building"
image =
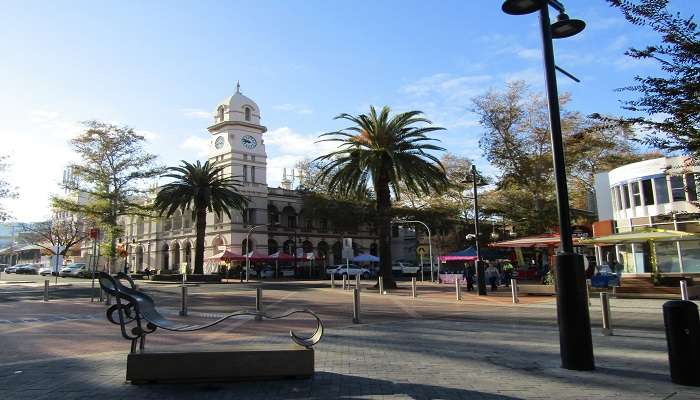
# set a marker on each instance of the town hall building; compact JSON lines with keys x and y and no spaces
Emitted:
{"x":275,"y":219}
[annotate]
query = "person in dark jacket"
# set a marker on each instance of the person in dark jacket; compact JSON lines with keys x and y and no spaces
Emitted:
{"x":469,"y":273}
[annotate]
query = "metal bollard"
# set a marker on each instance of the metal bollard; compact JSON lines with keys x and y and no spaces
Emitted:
{"x":684,"y":290}
{"x":607,"y":323}
{"x":514,"y":290}
{"x":381,"y":285}
{"x":357,"y":281}
{"x":108,"y":300}
{"x":332,"y":281}
{"x":413,"y":287}
{"x":46,"y":290}
{"x":345,"y":282}
{"x":258,"y":303}
{"x":356,"y":306}
{"x":183,"y":304}
{"x":588,"y":291}
{"x":102,"y":297}
{"x":458,"y":290}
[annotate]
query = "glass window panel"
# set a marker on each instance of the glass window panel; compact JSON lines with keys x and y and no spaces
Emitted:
{"x":692,"y":187}
{"x":626,"y":195}
{"x":614,"y":200}
{"x":661,"y":190}
{"x":648,"y":192}
{"x":677,"y":188}
{"x":636,"y":194}
{"x":667,"y":257}
{"x":690,"y":251}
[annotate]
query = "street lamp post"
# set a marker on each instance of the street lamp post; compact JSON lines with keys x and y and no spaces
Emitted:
{"x":247,"y":252}
{"x":430,"y":244}
{"x":575,"y":342}
{"x":480,"y":273}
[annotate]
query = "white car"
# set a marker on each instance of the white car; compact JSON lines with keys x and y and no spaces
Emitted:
{"x":77,"y":270}
{"x":287,"y":272}
{"x":404,"y":268}
{"x":43,"y":271}
{"x":352,"y":270}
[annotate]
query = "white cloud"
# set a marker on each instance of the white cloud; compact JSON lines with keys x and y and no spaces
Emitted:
{"x":148,"y":135}
{"x":199,"y":145}
{"x":529,"y":54}
{"x":531,"y":76}
{"x":619,"y":43}
{"x":446,"y":85}
{"x":294,"y":108}
{"x":626,"y":63}
{"x":285,"y":147}
{"x":38,"y":152}
{"x":196,"y":113}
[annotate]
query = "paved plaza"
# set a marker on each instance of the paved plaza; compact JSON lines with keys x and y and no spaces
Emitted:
{"x":430,"y":347}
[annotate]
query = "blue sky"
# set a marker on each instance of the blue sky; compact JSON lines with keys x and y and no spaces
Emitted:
{"x":161,"y":67}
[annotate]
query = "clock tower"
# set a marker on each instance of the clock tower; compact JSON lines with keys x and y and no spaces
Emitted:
{"x":237,"y":142}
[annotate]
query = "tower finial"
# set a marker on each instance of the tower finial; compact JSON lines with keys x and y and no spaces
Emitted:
{"x":238,"y":86}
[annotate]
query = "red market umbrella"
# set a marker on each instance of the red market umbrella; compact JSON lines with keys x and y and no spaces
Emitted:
{"x":226,"y":255}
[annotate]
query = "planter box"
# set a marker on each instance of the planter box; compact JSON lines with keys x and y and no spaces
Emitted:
{"x":245,"y":362}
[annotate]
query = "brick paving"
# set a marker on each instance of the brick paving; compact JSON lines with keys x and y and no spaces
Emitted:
{"x":426,"y":348}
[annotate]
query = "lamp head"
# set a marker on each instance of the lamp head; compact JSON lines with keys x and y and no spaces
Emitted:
{"x":521,"y":7}
{"x":566,"y":27}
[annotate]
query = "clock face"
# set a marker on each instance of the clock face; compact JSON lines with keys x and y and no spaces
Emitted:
{"x":219,"y":143}
{"x":249,"y":142}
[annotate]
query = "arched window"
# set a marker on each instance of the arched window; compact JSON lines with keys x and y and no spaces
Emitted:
{"x":187,"y":219}
{"x":220,"y":114}
{"x":177,"y":220}
{"x":139,"y":226}
{"x":247,"y":246}
{"x":273,"y":216}
{"x":247,"y":113}
{"x":272,"y":246}
{"x":165,"y":257}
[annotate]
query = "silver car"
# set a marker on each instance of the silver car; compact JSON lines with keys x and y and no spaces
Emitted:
{"x":77,"y":270}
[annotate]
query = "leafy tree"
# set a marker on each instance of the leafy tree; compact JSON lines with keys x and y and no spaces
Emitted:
{"x":380,"y":152}
{"x":670,"y":98}
{"x":516,"y":141}
{"x":58,"y":236}
{"x":6,"y":190}
{"x":199,"y":188}
{"x":109,"y":179}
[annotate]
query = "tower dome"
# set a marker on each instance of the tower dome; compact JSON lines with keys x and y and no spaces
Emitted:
{"x":238,"y":108}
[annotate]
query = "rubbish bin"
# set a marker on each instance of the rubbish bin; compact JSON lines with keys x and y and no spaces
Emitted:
{"x":683,"y":338}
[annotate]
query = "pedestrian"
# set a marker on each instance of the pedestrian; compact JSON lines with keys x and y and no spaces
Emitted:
{"x":492,"y":276}
{"x":469,"y":274}
{"x":507,"y":272}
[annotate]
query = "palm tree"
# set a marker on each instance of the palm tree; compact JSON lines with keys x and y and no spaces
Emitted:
{"x":199,"y":188}
{"x":380,"y":152}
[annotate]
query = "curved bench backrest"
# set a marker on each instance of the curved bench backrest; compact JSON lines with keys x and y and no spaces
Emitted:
{"x":108,"y":283}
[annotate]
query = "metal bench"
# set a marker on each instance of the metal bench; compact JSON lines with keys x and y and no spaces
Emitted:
{"x":136,"y":314}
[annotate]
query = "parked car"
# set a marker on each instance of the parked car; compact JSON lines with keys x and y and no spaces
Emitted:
{"x":43,"y":271}
{"x":404,"y":268}
{"x":287,"y":272}
{"x":77,"y":270}
{"x":265,"y":273}
{"x":352,"y":270}
{"x":13,"y":269}
{"x":28,"y":269}
{"x":3,"y":267}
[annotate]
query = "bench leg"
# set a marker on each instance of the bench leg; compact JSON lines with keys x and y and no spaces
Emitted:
{"x":142,"y":345}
